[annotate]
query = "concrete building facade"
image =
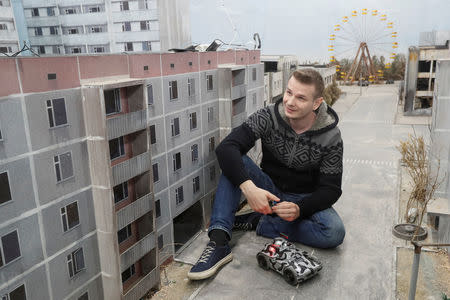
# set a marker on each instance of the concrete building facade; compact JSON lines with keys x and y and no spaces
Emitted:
{"x":9,"y":39}
{"x":102,"y":167}
{"x":101,"y":26}
{"x":421,"y":71}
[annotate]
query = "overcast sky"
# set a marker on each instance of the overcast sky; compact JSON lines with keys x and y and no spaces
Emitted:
{"x":303,"y":27}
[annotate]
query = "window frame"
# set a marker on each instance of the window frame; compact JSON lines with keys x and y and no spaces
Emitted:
{"x":191,"y":86}
{"x":146,"y":24}
{"x":129,"y":233}
{"x":124,"y":6}
{"x":84,"y":296}
{"x":194,"y":153}
{"x":175,"y":126}
{"x":209,"y":83}
{"x":64,"y":215}
{"x":60,"y":168}
{"x":179,"y":195}
{"x":2,"y":251}
{"x":132,"y":269}
{"x":173,"y":90}
{"x":126,"y":26}
{"x":7,"y":296}
{"x":212,"y":170}
{"x":35,"y":12}
{"x":152,"y":135}
{"x":193,"y":124}
{"x":176,"y":161}
{"x":150,"y":88}
{"x":117,"y":102}
{"x":160,"y":241}
{"x":158,"y":208}
{"x":125,"y":192}
{"x":210,"y":114}
{"x":121,"y":147}
{"x":196,"y":184}
{"x":9,"y":186}
{"x":155,"y":165}
{"x":211,"y":144}
{"x":71,"y":259}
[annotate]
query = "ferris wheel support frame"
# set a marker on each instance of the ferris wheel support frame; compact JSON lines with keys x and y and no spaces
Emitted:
{"x":363,"y":58}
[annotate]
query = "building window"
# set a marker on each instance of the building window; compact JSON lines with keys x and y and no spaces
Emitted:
{"x":63,"y":166}
{"x":75,"y":262}
{"x":212,"y":173}
{"x":37,"y":31}
{"x":112,"y":101}
{"x":128,"y":47}
{"x":75,"y":50}
{"x":69,"y":216}
{"x":254,"y":99}
{"x":96,"y":29}
{"x":128,"y":273}
{"x":172,"y":66}
{"x":155,"y":173}
{"x":85,"y":296}
{"x":254,"y":74}
{"x":124,"y":233}
{"x":1,"y":137}
{"x":212,"y":144}
{"x":179,"y":198}
{"x":209,"y":82}
{"x":5,"y":27}
{"x":124,"y":5}
{"x":72,"y":31}
{"x":193,"y":120}
{"x":116,"y":148}
{"x":194,"y":153}
{"x":99,"y":49}
{"x":191,"y":86}
{"x":146,"y":46}
{"x":41,"y":50}
{"x":196,"y":184}
{"x":70,"y":11}
{"x":150,"y":99}
{"x":16,"y":294}
{"x":56,"y":110}
{"x":126,"y":26}
{"x":5,"y":49}
{"x":152,"y":134}
{"x":176,"y":159}
{"x":94,"y":9}
{"x":120,"y":192}
{"x":145,"y":25}
{"x":54,"y":30}
{"x":210,"y":114}
{"x":35,"y":12}
{"x":173,"y":90}
{"x":9,"y":248}
{"x":160,"y":242}
{"x":175,"y":126}
{"x":56,"y":50}
{"x":5,"y":191}
{"x":158,"y":208}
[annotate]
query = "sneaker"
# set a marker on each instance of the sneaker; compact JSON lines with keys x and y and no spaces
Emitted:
{"x":212,"y":258}
{"x":246,"y":222}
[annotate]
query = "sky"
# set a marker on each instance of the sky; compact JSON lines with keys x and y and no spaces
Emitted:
{"x":303,"y":27}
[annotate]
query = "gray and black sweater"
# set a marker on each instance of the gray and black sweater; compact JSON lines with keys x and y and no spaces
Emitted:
{"x":310,"y":162}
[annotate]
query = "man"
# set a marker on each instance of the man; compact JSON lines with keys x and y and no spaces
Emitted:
{"x":301,"y":174}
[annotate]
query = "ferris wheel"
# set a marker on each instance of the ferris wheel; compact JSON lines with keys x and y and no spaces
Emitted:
{"x":359,"y":38}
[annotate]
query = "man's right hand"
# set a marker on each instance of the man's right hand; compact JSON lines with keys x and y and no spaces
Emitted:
{"x":258,"y":198}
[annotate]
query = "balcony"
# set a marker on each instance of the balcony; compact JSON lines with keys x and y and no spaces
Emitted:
{"x":134,"y":211}
{"x":131,"y":168}
{"x":238,"y":91}
{"x":424,"y":93}
{"x":126,"y":123}
{"x":142,"y":287}
{"x":137,"y":251}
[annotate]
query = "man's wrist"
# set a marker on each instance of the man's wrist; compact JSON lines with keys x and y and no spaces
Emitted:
{"x":246,"y":186}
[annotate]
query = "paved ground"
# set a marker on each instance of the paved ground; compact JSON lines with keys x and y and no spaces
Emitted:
{"x":363,"y":267}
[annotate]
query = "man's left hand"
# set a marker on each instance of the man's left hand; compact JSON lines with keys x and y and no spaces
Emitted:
{"x":288,"y":211}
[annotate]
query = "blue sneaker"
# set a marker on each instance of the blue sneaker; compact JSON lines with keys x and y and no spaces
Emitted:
{"x":212,"y":258}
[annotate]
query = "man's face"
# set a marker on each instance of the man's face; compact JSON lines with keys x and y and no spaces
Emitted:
{"x":299,"y":99}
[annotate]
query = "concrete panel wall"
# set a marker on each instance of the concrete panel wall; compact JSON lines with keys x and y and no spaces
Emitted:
{"x":12,"y":127}
{"x":212,"y":94}
{"x":30,"y":247}
{"x":161,"y":184}
{"x":94,"y":290}
{"x":62,"y":283}
{"x":57,"y":239}
{"x":156,"y":109}
{"x":163,"y":198}
{"x":48,"y":188}
{"x":40,"y":132}
{"x":35,"y":284}
{"x":167,"y":236}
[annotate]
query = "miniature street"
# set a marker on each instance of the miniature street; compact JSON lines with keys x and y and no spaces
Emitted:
{"x":363,"y":267}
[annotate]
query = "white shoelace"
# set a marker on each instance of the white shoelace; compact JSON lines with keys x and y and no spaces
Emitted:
{"x":205,"y":255}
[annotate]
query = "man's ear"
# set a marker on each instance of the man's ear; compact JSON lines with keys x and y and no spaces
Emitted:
{"x":317,"y":103}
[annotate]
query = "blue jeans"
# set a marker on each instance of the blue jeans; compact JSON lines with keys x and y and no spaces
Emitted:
{"x":324,"y":229}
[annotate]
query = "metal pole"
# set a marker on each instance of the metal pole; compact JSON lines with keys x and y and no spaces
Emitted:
{"x":414,"y":272}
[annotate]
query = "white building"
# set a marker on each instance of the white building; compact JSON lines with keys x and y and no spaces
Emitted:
{"x":66,"y":27}
{"x":9,"y":40}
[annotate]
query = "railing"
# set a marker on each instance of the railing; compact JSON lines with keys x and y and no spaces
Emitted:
{"x":137,"y":251}
{"x":238,"y":91}
{"x":131,"y":168}
{"x":134,"y":211}
{"x":142,"y":287}
{"x":126,"y":123}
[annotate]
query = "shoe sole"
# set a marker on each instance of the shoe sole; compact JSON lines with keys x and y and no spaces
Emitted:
{"x":211,"y":271}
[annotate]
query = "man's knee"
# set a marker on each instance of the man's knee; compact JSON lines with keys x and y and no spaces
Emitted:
{"x":335,"y":236}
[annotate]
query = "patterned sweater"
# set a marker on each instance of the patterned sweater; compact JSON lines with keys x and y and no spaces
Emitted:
{"x":310,"y":162}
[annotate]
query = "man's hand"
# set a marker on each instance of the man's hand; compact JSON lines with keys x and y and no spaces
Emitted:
{"x":288,"y":211}
{"x":258,"y":198}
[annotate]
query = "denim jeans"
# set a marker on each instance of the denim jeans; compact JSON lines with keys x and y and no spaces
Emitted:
{"x":324,"y":229}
